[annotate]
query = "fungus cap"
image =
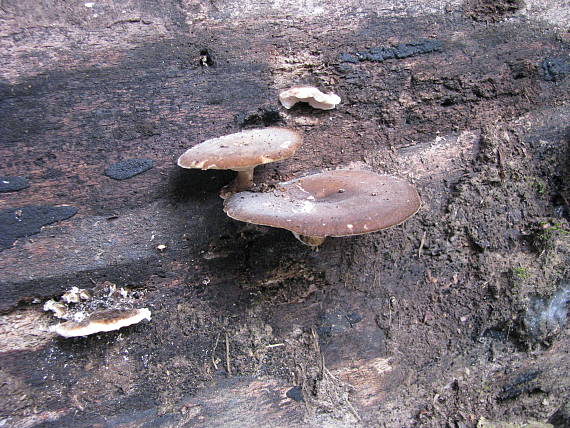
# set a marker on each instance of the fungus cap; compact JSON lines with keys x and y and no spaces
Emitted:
{"x":333,"y":203}
{"x":102,"y":321}
{"x":242,"y":150}
{"x":308,"y":94}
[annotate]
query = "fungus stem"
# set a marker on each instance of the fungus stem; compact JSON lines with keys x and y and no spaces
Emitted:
{"x":243,"y":180}
{"x":311,"y":241}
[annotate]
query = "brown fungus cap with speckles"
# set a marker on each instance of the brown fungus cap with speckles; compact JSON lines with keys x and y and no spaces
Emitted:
{"x":242,"y":150}
{"x":333,"y":203}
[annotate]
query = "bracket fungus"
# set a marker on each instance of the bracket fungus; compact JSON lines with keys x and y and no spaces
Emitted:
{"x":333,"y":203}
{"x":242,"y":152}
{"x":102,"y":321}
{"x":308,"y":94}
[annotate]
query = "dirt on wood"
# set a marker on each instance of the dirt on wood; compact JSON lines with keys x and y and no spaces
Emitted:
{"x":456,"y":318}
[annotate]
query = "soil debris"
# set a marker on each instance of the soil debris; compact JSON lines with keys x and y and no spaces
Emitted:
{"x":555,"y":69}
{"x":491,"y":10}
{"x":486,"y":423}
{"x":263,"y":116}
{"x":521,"y":384}
{"x":561,"y":418}
{"x":546,"y":318}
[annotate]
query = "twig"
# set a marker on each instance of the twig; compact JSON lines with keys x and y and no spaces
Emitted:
{"x":275,"y":345}
{"x":501,"y":162}
{"x":214,"y":352}
{"x":228,"y":366}
{"x":130,"y":21}
{"x":422,"y":243}
{"x":353,"y":410}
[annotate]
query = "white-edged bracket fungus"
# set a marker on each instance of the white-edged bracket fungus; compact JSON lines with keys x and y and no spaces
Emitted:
{"x":333,"y":203}
{"x":242,"y":152}
{"x":102,"y":321}
{"x":308,"y":94}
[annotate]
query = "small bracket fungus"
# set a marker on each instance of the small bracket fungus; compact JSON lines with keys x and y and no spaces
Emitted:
{"x":308,"y":94}
{"x":75,"y":295}
{"x":101,"y":321}
{"x":333,"y":203}
{"x":59,"y":309}
{"x":242,"y":152}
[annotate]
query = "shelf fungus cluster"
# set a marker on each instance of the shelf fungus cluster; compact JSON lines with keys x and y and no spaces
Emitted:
{"x":101,"y":309}
{"x":332,"y":203}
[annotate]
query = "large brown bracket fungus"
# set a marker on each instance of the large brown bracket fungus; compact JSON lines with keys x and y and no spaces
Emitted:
{"x":242,"y":152}
{"x":333,"y":203}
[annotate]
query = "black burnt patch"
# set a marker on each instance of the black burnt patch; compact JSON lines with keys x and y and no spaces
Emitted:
{"x":128,"y":168}
{"x":421,"y":47}
{"x":555,"y":69}
{"x":206,"y":59}
{"x":522,"y":383}
{"x":28,"y":220}
{"x":295,"y":393}
{"x":401,"y":51}
{"x":13,"y":184}
{"x":561,"y":418}
{"x":263,"y":116}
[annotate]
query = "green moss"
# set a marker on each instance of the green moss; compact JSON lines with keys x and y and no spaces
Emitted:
{"x":545,"y":233}
{"x":540,"y":187}
{"x":520,"y":273}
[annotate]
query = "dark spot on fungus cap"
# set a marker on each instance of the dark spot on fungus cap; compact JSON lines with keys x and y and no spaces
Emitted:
{"x":313,"y":206}
{"x":242,"y":150}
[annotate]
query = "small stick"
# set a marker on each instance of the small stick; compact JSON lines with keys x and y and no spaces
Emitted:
{"x":422,"y":243}
{"x":275,"y":345}
{"x":214,"y":352}
{"x":228,"y":366}
{"x":501,"y":162}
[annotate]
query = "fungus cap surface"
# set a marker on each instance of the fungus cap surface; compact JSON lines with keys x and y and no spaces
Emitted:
{"x":333,"y":203}
{"x":308,"y":94}
{"x":242,"y":150}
